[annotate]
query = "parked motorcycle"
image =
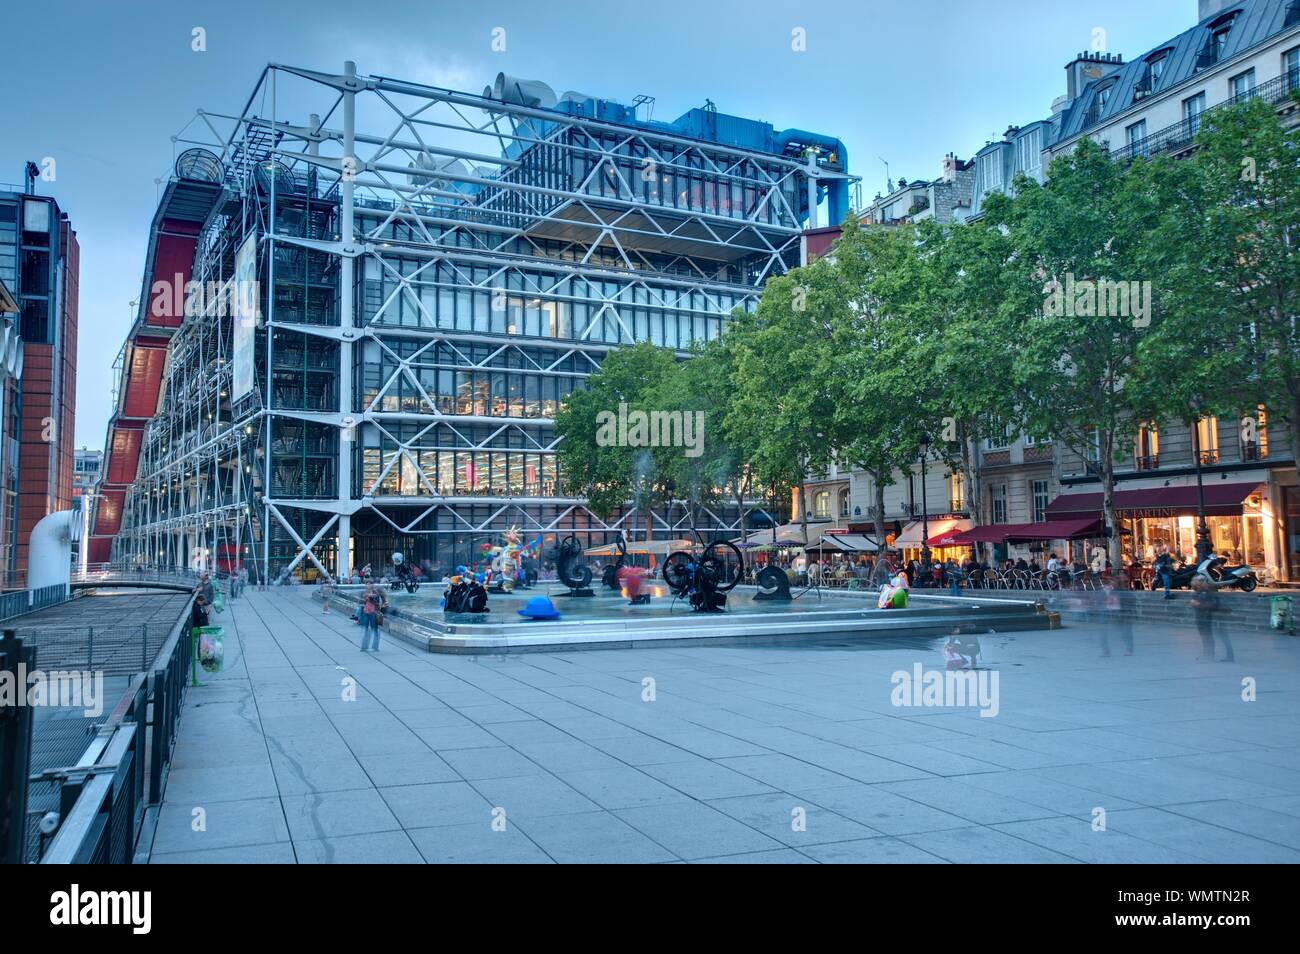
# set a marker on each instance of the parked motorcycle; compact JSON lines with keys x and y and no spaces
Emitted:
{"x":1180,"y":579}
{"x":1222,"y":576}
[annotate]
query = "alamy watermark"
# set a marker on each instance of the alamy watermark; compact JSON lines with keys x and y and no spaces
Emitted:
{"x":55,"y":688}
{"x":948,"y":688}
{"x":1102,"y":298}
{"x":651,"y":429}
{"x":176,"y":297}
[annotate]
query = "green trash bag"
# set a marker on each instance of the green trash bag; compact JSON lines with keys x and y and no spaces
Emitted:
{"x":218,"y":601}
{"x":211,"y":648}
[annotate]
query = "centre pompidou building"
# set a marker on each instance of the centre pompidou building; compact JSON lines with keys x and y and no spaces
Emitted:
{"x":356,"y":324}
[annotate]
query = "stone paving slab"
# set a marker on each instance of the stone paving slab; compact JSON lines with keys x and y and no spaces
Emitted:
{"x":306,"y":750}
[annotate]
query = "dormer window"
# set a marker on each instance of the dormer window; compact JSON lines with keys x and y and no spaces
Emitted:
{"x":1151,"y":74}
{"x":1292,"y":14}
{"x":1216,"y":44}
{"x":1099,"y":100}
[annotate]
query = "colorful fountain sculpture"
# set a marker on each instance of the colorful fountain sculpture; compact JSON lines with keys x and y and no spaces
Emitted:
{"x":704,"y":579}
{"x":506,"y":563}
{"x":465,"y":593}
{"x":570,"y":568}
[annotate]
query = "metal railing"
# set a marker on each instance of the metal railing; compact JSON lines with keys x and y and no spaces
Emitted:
{"x":27,"y":601}
{"x":1183,"y":133}
{"x":116,"y":786}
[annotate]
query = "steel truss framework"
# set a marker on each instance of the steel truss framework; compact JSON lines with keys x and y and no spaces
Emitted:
{"x":426,"y":303}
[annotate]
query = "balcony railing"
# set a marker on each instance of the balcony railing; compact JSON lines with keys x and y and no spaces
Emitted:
{"x":1182,"y":133}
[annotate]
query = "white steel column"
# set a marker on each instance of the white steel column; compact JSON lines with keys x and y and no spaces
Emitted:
{"x":347,"y":320}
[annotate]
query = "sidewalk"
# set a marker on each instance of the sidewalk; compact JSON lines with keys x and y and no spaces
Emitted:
{"x":709,"y":753}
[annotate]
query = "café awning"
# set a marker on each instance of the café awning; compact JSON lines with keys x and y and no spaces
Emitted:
{"x":1222,"y":499}
{"x":1078,"y":528}
{"x":844,"y":543}
{"x":787,"y":535}
{"x":912,"y":535}
{"x":950,"y":536}
{"x":652,"y":547}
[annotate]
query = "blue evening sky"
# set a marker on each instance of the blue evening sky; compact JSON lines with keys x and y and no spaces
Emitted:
{"x":102,"y":85}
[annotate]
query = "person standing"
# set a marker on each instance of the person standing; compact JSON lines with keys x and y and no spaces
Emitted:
{"x":1164,"y":567}
{"x":1206,"y":601}
{"x":206,"y":590}
{"x":371,"y":608}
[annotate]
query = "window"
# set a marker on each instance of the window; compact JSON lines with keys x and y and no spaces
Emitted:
{"x":1039,"y":491}
{"x":1146,"y":447}
{"x":822,"y":505}
{"x":1291,"y":67}
{"x":998,"y":504}
{"x":1254,"y":435}
{"x":956,"y":492}
{"x":1216,"y":44}
{"x":1207,"y":436}
{"x":1242,"y":86}
{"x":1030,"y":148}
{"x":1152,"y":74}
{"x":1135,"y":133}
{"x":844,"y":502}
{"x":1193,"y":106}
{"x":991,"y":170}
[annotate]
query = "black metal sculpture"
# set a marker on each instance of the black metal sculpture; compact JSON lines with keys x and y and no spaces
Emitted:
{"x":773,"y":584}
{"x":706,"y":578}
{"x":609,"y":575}
{"x":570,"y":569}
{"x":466,"y":595}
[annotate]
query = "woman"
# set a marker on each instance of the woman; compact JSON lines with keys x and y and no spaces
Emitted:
{"x":373,"y":603}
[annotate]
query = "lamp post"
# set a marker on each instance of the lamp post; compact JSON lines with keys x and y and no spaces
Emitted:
{"x":1203,"y":547}
{"x":925,"y":508}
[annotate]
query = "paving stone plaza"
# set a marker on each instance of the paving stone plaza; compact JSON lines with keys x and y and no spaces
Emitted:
{"x":306,"y":750}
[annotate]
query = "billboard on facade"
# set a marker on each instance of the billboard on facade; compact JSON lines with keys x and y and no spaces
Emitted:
{"x":246,"y":300}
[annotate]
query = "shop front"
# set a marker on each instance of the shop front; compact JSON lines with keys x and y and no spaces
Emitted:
{"x":943,"y":540}
{"x":1238,"y":516}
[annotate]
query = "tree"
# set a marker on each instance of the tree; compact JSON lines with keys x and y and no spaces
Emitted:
{"x":961,"y":283}
{"x":1079,"y":342}
{"x":602,"y":464}
{"x":720,"y":465}
{"x":1224,"y":245}
{"x":877,"y":377}
{"x":782,"y":354}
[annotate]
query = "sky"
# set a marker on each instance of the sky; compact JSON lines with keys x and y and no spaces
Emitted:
{"x":102,"y":86}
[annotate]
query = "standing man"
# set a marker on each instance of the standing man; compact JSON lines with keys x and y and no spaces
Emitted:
{"x":1164,"y":567}
{"x":206,"y":590}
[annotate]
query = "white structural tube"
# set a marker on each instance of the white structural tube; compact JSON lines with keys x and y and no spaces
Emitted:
{"x":49,"y":556}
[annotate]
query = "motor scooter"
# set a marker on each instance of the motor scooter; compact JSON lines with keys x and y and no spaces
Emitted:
{"x":1222,"y":577}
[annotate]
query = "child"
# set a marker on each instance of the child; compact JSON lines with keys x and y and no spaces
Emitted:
{"x":326,"y":591}
{"x":952,"y":658}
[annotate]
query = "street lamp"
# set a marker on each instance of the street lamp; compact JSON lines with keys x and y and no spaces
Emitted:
{"x":1203,"y":547}
{"x":925,"y":507}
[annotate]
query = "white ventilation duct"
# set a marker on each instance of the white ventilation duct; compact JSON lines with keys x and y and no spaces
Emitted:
{"x":49,"y":557}
{"x":520,"y":92}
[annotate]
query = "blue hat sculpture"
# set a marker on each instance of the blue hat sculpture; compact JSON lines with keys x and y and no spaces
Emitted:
{"x":540,"y":607}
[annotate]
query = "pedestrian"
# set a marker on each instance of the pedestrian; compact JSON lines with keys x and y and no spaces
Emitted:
{"x":372,"y":609}
{"x":1205,"y":601}
{"x":198,"y":613}
{"x":1121,"y":603}
{"x":326,"y":592}
{"x":206,"y":589}
{"x":1164,"y":567}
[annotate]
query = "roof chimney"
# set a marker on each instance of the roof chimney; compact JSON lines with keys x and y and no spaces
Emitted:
{"x":1087,"y":67}
{"x":1208,"y":8}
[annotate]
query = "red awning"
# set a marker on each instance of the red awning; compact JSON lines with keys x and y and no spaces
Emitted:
{"x":994,"y":533}
{"x":1221,"y":500}
{"x":1077,"y":528}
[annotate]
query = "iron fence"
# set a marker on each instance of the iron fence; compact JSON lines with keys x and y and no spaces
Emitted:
{"x":107,"y":797}
{"x":72,"y":801}
{"x":25,"y":601}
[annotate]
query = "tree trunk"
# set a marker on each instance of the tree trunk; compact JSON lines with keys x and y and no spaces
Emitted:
{"x":1109,"y":520}
{"x":878,"y":512}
